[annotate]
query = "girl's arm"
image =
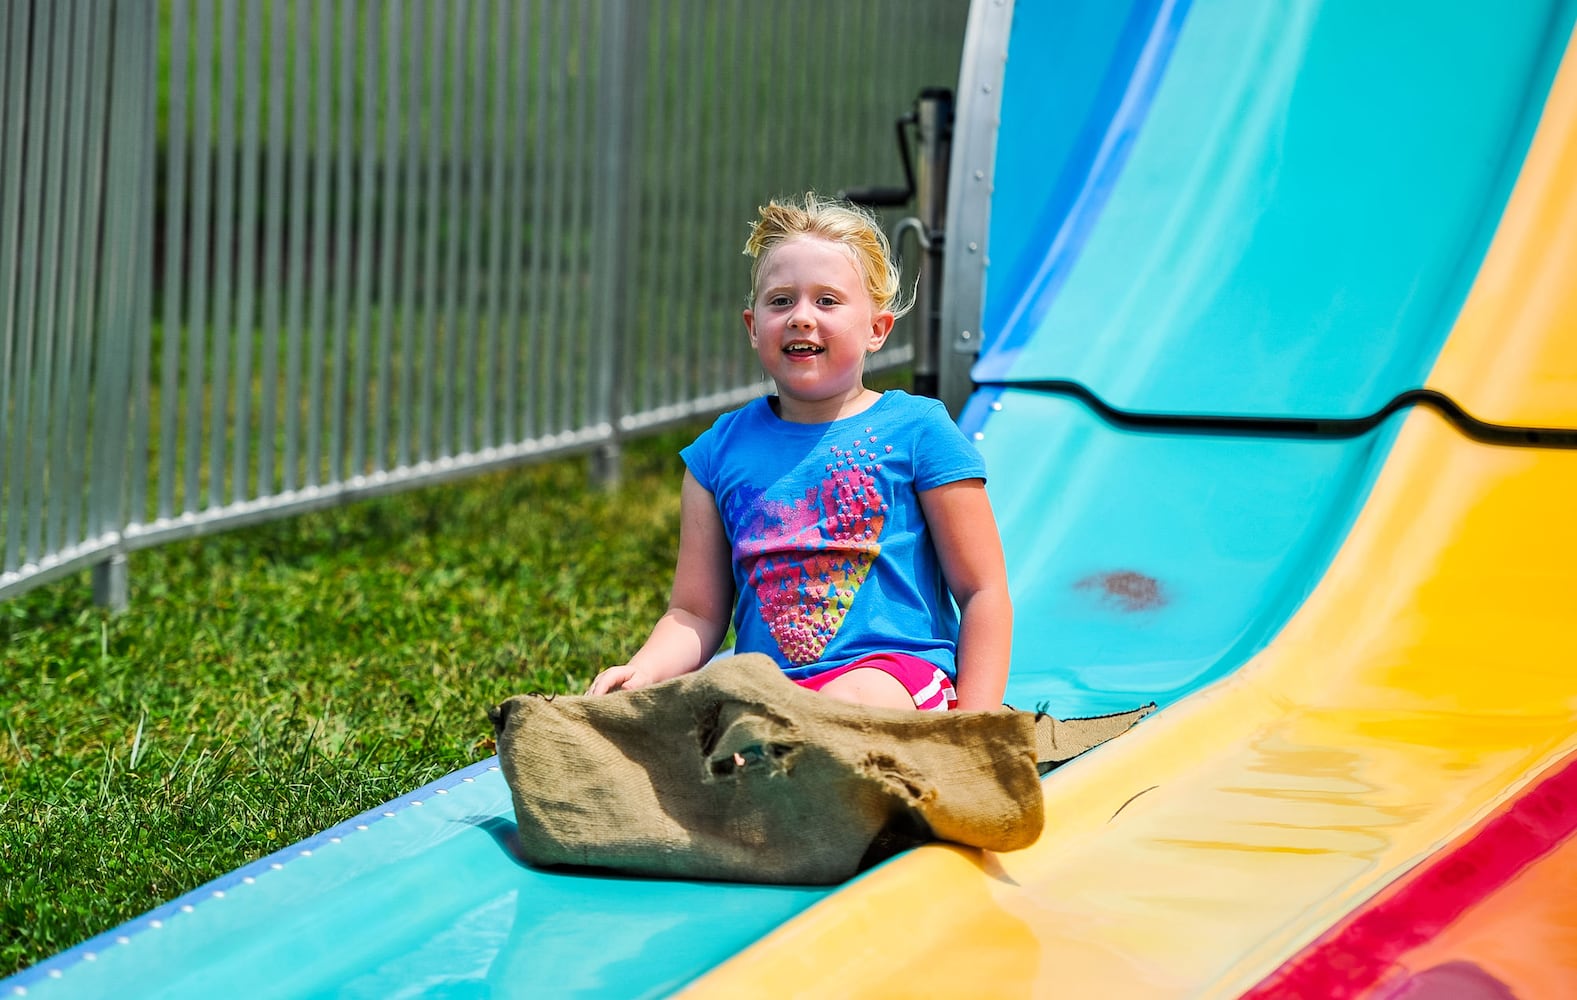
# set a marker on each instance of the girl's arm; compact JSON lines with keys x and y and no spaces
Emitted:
{"x":699,"y":608}
{"x":965,"y":535}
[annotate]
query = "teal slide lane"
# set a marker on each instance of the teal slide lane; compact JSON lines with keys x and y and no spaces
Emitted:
{"x":419,"y":897}
{"x":1284,"y":223}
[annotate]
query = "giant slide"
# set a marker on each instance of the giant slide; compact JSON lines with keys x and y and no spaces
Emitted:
{"x":1279,"y":393}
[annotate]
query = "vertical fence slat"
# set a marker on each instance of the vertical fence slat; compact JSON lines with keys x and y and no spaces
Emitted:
{"x":555,"y":391}
{"x":319,"y":262}
{"x":13,"y":117}
{"x":221,"y":323}
{"x":450,"y":324}
{"x":713,"y":94}
{"x":296,"y":252}
{"x":574,"y":412}
{"x":488,"y":153}
{"x":242,"y":464}
{"x":65,"y":530}
{"x":651,"y":376}
{"x":45,"y":534}
{"x":123,"y":258}
{"x":26,"y":479}
{"x":394,"y":113}
{"x":738,"y":362}
{"x":513,"y":37}
{"x":469,"y":173}
{"x":541,"y":170}
{"x":79,"y":482}
{"x":432,"y":198}
{"x":692,"y":280}
{"x":143,"y":128}
{"x":196,"y":331}
{"x":341,"y":257}
{"x":615,"y":221}
{"x":409,"y":320}
{"x":174,"y":256}
{"x":271,"y":276}
{"x":371,"y":111}
{"x":493,"y":274}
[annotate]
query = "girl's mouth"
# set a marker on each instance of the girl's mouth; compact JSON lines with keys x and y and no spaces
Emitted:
{"x":802,"y":349}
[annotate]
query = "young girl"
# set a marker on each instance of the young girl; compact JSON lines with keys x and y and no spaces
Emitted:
{"x":831,"y":522}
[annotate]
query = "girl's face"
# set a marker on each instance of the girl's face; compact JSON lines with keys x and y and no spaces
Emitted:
{"x":812,"y":324}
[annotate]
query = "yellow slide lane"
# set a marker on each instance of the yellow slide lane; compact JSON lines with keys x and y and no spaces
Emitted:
{"x":1512,"y":357}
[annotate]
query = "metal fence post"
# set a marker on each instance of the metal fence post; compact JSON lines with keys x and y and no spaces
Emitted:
{"x":621,"y":70}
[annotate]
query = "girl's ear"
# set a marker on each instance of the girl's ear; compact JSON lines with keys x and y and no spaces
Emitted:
{"x":750,"y":326}
{"x":881,"y":327}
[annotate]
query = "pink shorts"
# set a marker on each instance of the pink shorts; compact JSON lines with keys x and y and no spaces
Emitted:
{"x":927,"y":684}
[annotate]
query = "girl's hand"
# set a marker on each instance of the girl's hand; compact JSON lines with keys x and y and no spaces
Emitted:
{"x":699,"y":607}
{"x":621,"y":678}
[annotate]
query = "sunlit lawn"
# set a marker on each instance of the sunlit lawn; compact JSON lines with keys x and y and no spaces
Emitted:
{"x":270,"y":682}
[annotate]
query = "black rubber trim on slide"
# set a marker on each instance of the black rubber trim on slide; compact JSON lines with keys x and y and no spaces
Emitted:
{"x":1307,"y":427}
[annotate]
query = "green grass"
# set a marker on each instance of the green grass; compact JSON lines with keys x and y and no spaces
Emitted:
{"x":270,"y":682}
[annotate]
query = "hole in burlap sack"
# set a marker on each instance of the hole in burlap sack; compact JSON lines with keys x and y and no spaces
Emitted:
{"x":895,"y":776}
{"x":737,"y":737}
{"x":744,"y":758}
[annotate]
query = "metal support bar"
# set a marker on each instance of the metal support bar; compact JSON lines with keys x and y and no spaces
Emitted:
{"x":112,"y":583}
{"x":607,"y":466}
{"x":934,"y":119}
{"x":969,"y":202}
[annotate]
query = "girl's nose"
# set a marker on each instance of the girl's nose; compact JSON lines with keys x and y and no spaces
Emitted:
{"x":801,"y":319}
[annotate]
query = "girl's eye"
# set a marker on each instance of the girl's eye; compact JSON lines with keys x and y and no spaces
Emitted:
{"x":778,"y":300}
{"x":827,"y":300}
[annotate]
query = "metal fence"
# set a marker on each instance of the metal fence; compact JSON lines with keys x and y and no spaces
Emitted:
{"x":260,"y":256}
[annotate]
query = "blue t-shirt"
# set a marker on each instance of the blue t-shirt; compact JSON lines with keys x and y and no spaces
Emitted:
{"x":832,"y":558}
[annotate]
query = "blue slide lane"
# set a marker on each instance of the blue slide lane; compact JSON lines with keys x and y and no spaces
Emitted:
{"x":1308,"y":193}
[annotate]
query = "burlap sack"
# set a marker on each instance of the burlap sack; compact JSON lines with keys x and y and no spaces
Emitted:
{"x":734,"y":772}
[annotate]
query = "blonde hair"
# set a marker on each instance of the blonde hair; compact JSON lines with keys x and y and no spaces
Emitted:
{"x":854,"y":228}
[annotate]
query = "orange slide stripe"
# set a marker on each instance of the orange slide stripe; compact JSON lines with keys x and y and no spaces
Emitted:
{"x":1366,"y":946}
